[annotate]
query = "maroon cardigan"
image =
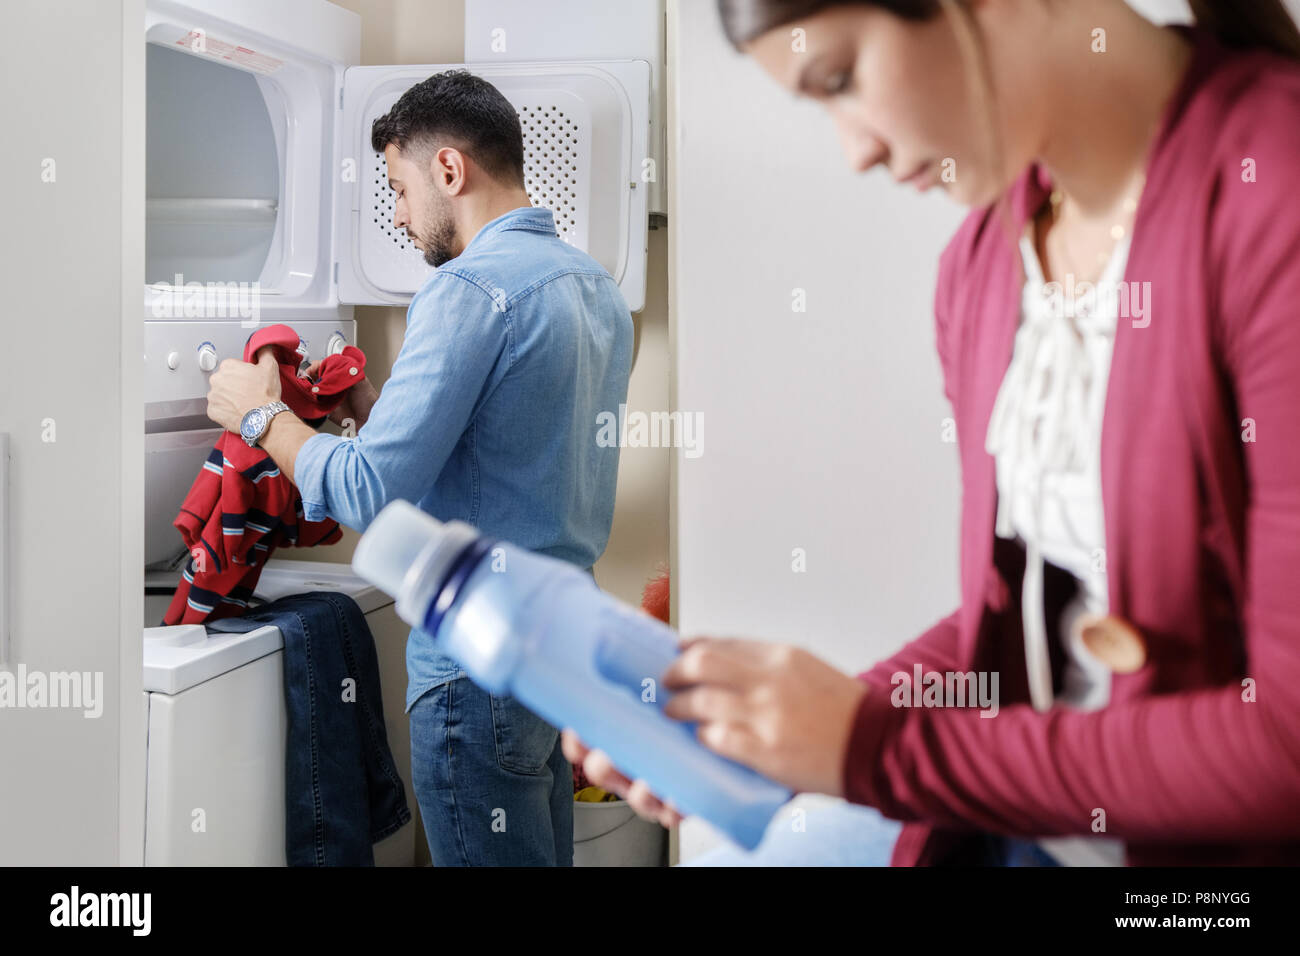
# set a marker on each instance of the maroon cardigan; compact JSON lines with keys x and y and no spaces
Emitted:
{"x":1196,"y":759}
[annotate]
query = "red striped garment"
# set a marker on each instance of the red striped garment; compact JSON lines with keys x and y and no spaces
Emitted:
{"x":241,"y":507}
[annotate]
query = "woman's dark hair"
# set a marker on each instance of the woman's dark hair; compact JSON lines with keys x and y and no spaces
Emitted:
{"x":1245,"y":24}
{"x":745,"y":20}
{"x":459,"y":109}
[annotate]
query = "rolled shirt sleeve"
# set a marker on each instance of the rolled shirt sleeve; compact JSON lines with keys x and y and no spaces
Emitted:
{"x":459,"y":342}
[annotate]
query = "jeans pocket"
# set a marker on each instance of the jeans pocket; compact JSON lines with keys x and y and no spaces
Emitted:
{"x":524,"y":741}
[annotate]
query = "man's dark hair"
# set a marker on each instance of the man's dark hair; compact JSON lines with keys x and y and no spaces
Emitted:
{"x":459,"y":109}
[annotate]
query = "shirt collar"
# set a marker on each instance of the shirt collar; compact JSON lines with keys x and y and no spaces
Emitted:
{"x":530,"y":218}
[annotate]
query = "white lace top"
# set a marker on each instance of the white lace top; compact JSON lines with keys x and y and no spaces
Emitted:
{"x":1045,"y":434}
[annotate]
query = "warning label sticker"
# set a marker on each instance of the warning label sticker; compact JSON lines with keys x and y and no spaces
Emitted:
{"x":196,"y":41}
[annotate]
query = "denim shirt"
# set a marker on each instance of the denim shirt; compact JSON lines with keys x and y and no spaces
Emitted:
{"x":516,"y":353}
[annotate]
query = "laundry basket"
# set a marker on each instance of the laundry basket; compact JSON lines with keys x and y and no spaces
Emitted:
{"x":611,"y":834}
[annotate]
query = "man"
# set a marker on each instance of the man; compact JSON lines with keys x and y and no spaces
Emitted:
{"x":513,"y":347}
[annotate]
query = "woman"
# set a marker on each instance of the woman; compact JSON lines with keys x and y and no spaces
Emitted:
{"x":1134,"y":584}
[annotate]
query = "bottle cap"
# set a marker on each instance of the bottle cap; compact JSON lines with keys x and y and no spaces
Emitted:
{"x":406,"y":552}
{"x":392,"y":543}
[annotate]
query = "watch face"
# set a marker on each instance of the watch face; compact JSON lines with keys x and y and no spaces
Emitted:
{"x":251,"y":427}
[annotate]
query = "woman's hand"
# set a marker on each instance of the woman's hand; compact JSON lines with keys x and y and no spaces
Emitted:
{"x":772,"y":707}
{"x":356,"y":404}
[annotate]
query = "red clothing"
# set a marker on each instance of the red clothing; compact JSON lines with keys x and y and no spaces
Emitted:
{"x":1200,"y":463}
{"x":241,"y":507}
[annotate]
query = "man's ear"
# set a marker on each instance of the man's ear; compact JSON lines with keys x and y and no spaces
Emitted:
{"x":449,"y":169}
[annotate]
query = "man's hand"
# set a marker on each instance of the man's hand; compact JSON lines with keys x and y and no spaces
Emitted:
{"x":237,"y":387}
{"x":356,"y":404}
{"x":775,"y":708}
{"x":601,"y":771}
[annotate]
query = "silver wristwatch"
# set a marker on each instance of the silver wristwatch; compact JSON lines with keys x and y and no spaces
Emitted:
{"x":255,"y":423}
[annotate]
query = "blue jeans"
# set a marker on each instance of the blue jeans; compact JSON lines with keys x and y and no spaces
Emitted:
{"x":847,"y":834}
{"x":341,"y":788}
{"x":493,"y":786}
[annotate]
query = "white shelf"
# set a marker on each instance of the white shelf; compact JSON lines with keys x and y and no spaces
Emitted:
{"x":254,"y":212}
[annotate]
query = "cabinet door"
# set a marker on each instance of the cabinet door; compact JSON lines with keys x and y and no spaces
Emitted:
{"x":585,"y":127}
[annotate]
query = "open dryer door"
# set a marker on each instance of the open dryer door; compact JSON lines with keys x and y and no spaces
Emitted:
{"x":242,"y":116}
{"x":586,"y":130}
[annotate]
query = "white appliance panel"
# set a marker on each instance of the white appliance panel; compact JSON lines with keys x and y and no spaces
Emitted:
{"x":215,"y":794}
{"x":585,"y":135}
{"x":175,"y":353}
{"x":518,"y":31}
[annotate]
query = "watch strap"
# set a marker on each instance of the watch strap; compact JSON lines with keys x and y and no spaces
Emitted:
{"x":271,"y":409}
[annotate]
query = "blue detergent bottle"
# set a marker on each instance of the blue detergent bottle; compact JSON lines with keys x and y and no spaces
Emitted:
{"x":540,"y":629}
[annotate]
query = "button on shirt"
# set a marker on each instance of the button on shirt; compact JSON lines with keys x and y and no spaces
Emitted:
{"x":513,"y":351}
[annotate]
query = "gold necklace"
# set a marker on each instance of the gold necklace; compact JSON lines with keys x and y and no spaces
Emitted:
{"x":1117,"y":231}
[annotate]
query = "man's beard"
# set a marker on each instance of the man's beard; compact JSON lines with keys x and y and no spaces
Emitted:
{"x":440,"y":238}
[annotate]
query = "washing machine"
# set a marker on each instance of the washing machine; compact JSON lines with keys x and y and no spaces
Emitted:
{"x":216,"y":725}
